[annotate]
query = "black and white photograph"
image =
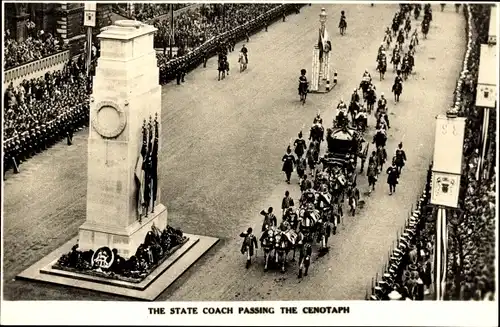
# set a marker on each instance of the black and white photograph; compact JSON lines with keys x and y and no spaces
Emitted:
{"x":240,"y":158}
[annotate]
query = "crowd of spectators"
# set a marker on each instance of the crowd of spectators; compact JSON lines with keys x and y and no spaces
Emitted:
{"x":195,"y":26}
{"x":471,"y":230}
{"x":471,"y":265}
{"x":37,"y":45}
{"x":147,"y":11}
{"x":38,"y":101}
{"x":32,"y":106}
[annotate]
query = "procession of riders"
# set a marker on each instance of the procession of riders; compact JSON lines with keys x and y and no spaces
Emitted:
{"x":223,"y":63}
{"x":324,"y":190}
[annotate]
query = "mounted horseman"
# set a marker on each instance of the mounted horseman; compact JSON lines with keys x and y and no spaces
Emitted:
{"x":387,"y":37}
{"x":361,"y":120}
{"x":316,"y":133}
{"x":371,"y":98}
{"x":396,"y":58}
{"x":223,"y":65}
{"x":407,"y":27}
{"x":341,"y":118}
{"x":397,"y":87}
{"x":401,"y":38}
{"x":405,"y":66}
{"x":382,"y":64}
{"x":366,"y":80}
{"x":303,"y":86}
{"x":381,"y":105}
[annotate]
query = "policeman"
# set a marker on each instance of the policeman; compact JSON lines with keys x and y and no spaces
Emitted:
{"x":355,"y":96}
{"x":69,"y":131}
{"x":244,"y":50}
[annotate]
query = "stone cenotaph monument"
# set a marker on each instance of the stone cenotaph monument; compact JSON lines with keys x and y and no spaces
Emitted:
{"x":125,"y":93}
{"x":125,"y":229}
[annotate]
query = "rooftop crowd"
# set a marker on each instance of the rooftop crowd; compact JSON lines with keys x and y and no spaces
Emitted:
{"x":38,"y":45}
{"x":471,"y":230}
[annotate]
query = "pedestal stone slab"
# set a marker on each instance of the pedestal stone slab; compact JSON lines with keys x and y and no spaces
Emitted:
{"x":149,"y":289}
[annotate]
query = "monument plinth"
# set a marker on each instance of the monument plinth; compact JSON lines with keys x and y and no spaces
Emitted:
{"x":125,"y":246}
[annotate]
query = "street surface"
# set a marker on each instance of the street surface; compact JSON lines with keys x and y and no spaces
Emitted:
{"x":222,"y":148}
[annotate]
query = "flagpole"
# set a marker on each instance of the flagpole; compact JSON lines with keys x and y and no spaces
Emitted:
{"x":171,"y":36}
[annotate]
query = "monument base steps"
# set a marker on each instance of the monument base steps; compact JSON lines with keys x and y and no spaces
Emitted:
{"x":127,"y":239}
{"x":149,"y":289}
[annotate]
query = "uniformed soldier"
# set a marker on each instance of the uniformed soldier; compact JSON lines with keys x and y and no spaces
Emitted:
{"x":288,"y":164}
{"x":69,"y":131}
{"x":300,"y":146}
{"x":249,"y":245}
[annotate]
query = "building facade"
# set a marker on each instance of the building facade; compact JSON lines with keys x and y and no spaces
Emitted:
{"x":60,"y":19}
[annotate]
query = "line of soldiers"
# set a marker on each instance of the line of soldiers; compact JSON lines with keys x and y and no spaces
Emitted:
{"x":180,"y":66}
{"x":25,"y":145}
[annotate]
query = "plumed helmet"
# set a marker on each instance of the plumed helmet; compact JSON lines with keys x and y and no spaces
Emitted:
{"x":342,"y":12}
{"x":303,"y":71}
{"x":382,"y":94}
{"x":300,"y":134}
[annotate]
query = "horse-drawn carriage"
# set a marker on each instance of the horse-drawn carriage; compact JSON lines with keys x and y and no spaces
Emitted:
{"x":345,"y":146}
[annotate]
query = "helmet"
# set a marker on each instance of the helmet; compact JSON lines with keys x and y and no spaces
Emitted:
{"x":382,"y":94}
{"x":303,"y":71}
{"x":355,"y":90}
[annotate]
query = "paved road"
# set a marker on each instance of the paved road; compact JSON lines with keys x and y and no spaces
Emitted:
{"x":223,"y":142}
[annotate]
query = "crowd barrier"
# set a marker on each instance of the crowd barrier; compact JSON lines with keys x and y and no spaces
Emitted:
{"x":36,"y":68}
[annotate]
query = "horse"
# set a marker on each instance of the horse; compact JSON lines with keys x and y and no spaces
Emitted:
{"x":395,"y":60}
{"x":363,"y":155}
{"x":365,"y":83}
{"x":342,"y":26}
{"x":407,"y":27}
{"x":382,"y":67}
{"x":381,"y":156}
{"x":380,"y":139}
{"x":341,"y":119}
{"x":242,"y":60}
{"x":425,"y":28}
{"x":353,"y":109}
{"x":387,"y":39}
{"x":395,"y":27}
{"x":353,"y":199}
{"x":405,"y":69}
{"x":223,"y":67}
{"x":401,"y":39}
{"x":371,"y":98}
{"x":282,"y":246}
{"x":416,"y":12}
{"x":397,"y":89}
{"x":323,"y":230}
{"x":316,"y":133}
{"x":299,"y":244}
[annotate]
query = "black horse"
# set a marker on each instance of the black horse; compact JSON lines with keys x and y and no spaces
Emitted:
{"x":382,"y":67}
{"x":397,"y":89}
{"x":223,"y":68}
{"x":425,"y":28}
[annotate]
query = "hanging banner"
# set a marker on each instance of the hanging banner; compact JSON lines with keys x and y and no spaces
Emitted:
{"x":486,"y":94}
{"x":90,"y":14}
{"x":448,"y":146}
{"x":445,"y":189}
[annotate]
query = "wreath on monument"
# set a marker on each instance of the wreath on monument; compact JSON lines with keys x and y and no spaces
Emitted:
{"x":105,"y":262}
